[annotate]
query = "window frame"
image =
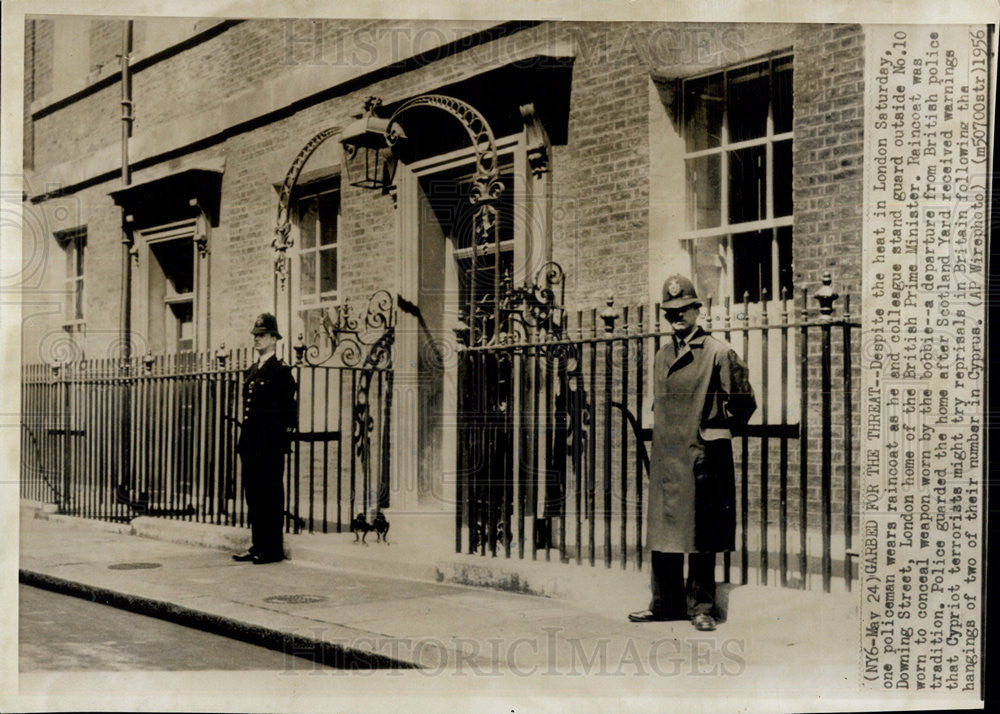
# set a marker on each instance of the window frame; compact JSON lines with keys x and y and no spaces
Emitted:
{"x":316,"y":299}
{"x":726,"y":231}
{"x":73,"y":242}
{"x":169,"y":328}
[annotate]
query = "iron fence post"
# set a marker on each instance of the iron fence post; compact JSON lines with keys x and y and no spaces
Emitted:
{"x":848,"y":446}
{"x":608,"y":315}
{"x":826,"y":297}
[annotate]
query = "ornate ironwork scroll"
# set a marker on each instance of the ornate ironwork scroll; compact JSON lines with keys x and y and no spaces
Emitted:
{"x":527,"y":312}
{"x":350,"y":339}
{"x":364,"y":342}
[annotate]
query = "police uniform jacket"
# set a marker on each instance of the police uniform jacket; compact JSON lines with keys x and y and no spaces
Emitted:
{"x":269,"y":413}
{"x":699,"y":391}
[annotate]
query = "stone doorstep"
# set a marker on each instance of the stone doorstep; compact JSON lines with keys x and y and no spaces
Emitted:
{"x":596,"y":588}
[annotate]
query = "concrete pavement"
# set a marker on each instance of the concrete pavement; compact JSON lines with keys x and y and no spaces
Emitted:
{"x":353,"y":606}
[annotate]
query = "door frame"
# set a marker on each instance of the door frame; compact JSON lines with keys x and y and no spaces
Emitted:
{"x":529,"y":202}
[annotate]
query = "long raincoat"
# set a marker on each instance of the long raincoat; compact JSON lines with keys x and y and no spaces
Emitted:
{"x":698,"y":390}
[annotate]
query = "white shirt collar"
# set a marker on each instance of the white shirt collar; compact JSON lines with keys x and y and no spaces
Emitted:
{"x":262,"y":358}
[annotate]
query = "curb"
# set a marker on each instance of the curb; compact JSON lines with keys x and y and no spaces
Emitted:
{"x":328,"y":653}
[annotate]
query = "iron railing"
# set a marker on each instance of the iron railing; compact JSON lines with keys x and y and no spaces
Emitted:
{"x":112,"y":440}
{"x":555,"y":428}
{"x":553,"y":434}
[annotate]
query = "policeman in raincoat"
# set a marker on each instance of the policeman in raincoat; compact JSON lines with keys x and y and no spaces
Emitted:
{"x":701,"y":391}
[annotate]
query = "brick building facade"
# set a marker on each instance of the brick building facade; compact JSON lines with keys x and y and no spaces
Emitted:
{"x":658,"y":154}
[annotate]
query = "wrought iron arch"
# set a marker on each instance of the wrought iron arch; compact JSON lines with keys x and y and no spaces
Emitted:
{"x":486,"y":187}
{"x":282,"y":231}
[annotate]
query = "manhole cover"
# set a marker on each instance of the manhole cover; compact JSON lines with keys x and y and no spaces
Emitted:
{"x":294,"y":599}
{"x":133,"y":566}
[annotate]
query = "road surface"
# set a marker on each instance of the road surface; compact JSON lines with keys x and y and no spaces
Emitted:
{"x":65,"y":633}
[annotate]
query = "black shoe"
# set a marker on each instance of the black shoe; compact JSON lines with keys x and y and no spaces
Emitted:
{"x":264,"y":559}
{"x":244,"y":557}
{"x":646,"y":616}
{"x":703,"y":622}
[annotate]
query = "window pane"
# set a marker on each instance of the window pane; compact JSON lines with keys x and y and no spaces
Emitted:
{"x":505,"y":208}
{"x":307,"y":274}
{"x":328,"y":207}
{"x":785,"y":260}
{"x":703,"y":192}
{"x":312,"y":324}
{"x":782,"y":179}
{"x":78,"y":301}
{"x":307,"y":222}
{"x":751,"y":264}
{"x":746,"y":184}
{"x":176,"y":258}
{"x":747,"y":100}
{"x":182,"y":273}
{"x":79,"y":244}
{"x":781,"y":95}
{"x":184,"y":319}
{"x":484,"y":269}
{"x":484,"y":286}
{"x":703,"y":105}
{"x":711,"y":272}
{"x":328,"y":270}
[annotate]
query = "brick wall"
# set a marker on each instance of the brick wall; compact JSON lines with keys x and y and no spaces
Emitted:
{"x":28,"y":154}
{"x":90,"y":124}
{"x":828,"y":162}
{"x":600,"y":224}
{"x":609,"y":94}
{"x":105,"y":43}
{"x":600,"y":211}
{"x":43,"y":37}
{"x":601,"y":202}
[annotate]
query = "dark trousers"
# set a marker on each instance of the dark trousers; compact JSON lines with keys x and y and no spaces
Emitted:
{"x":263,"y":488}
{"x":672,"y":597}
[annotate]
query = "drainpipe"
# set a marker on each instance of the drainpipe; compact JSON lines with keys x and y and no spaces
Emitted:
{"x":127,"y":118}
{"x":126,"y":484}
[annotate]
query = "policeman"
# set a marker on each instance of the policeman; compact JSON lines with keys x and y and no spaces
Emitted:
{"x":269,"y":417}
{"x":701,"y":390}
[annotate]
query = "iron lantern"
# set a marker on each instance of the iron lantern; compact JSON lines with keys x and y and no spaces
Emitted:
{"x":370,"y":149}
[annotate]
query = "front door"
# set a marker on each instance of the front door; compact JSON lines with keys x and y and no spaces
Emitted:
{"x":452,"y":296}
